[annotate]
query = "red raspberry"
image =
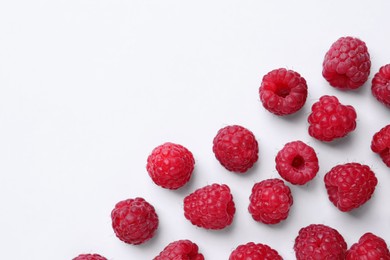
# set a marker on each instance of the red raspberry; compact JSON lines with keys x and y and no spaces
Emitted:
{"x":134,"y":221}
{"x":318,"y":241}
{"x":381,"y":85}
{"x":89,"y":257}
{"x":297,"y":163}
{"x":369,"y":247}
{"x":236,"y":148}
{"x":329,"y":119}
{"x":350,"y":185}
{"x":181,"y":249}
{"x":254,"y":251}
{"x":283,"y":92}
{"x":347,"y":63}
{"x":170,"y":165}
{"x":210,"y":207}
{"x":270,"y":201}
{"x":380,"y":144}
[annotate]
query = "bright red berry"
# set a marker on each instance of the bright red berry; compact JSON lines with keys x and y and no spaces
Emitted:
{"x":89,"y":257}
{"x":180,"y":250}
{"x":297,"y":162}
{"x":369,"y":247}
{"x":380,"y":87}
{"x":270,"y":201}
{"x":210,"y":207}
{"x":380,"y":144}
{"x":329,"y":119}
{"x":350,"y":185}
{"x":236,"y":148}
{"x":170,"y":165}
{"x":254,"y":251}
{"x":134,"y":221}
{"x":283,"y":91}
{"x":347,"y":63}
{"x":318,"y":241}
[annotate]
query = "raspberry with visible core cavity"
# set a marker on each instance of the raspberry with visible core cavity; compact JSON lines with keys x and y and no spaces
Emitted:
{"x":297,"y":162}
{"x":251,"y":250}
{"x":236,"y":148}
{"x":180,"y":250}
{"x":347,"y":63}
{"x":210,"y":207}
{"x":270,"y":201}
{"x":283,"y":92}
{"x":134,"y":221}
{"x":329,"y":119}
{"x":350,"y":185}
{"x":170,"y":165}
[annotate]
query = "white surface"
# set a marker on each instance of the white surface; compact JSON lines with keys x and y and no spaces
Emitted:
{"x":89,"y":87}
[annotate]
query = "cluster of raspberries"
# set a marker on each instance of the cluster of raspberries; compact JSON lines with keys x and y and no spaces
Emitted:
{"x":282,"y":92}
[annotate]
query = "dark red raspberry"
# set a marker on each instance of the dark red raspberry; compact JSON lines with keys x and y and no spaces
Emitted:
{"x":350,"y":185}
{"x":270,"y":201}
{"x":380,"y":144}
{"x":89,"y":257}
{"x":254,"y":251}
{"x":210,"y":207}
{"x":347,"y":63}
{"x":329,"y":119}
{"x":318,"y":241}
{"x":134,"y":221}
{"x":381,"y":85}
{"x":236,"y":148}
{"x":297,"y":162}
{"x":369,"y":247}
{"x":180,"y":250}
{"x":283,"y":91}
{"x":170,"y":165}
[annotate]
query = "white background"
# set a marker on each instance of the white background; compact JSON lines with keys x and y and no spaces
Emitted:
{"x":89,"y":87}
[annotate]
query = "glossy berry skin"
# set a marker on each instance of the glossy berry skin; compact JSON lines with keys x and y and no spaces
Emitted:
{"x":350,"y":185}
{"x":380,"y":144}
{"x":318,"y":241}
{"x":181,"y":249}
{"x":270,"y":201}
{"x":369,"y":247}
{"x":329,"y":119}
{"x":89,"y":257}
{"x":283,"y":92}
{"x":170,"y":165}
{"x":236,"y":148}
{"x":297,"y":162}
{"x":254,"y":251}
{"x":134,"y":221}
{"x":380,"y":85}
{"x":347,"y":63}
{"x":210,"y":207}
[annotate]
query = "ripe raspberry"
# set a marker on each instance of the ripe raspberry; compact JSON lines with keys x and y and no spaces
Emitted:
{"x":254,"y":251}
{"x":283,"y":92}
{"x":370,"y":247}
{"x":210,"y":207}
{"x":350,"y":185}
{"x":89,"y":257}
{"x":134,"y":221}
{"x":347,"y":63}
{"x":181,"y":249}
{"x":270,"y":201}
{"x":297,"y":163}
{"x":329,"y":119}
{"x":381,"y":85}
{"x":236,"y":148}
{"x":380,"y":144}
{"x":318,"y":241}
{"x":170,"y":165}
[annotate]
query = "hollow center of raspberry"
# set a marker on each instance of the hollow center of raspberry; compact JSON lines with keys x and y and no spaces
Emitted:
{"x":282,"y":91}
{"x":298,"y":162}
